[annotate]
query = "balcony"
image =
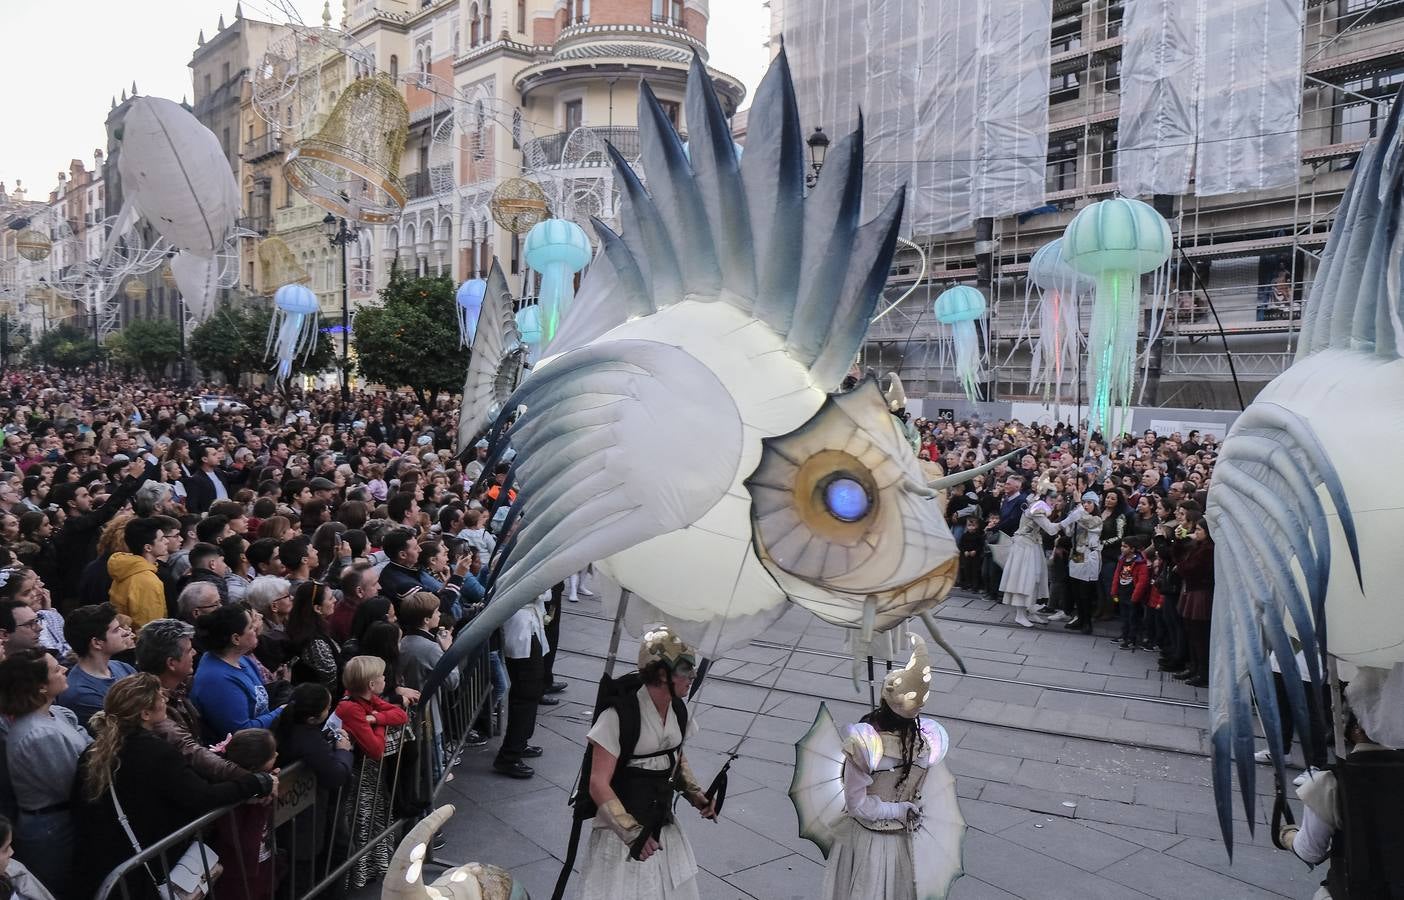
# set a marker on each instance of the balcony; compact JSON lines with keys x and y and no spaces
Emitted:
{"x":254,"y":223}
{"x":583,"y":147}
{"x":261,"y":148}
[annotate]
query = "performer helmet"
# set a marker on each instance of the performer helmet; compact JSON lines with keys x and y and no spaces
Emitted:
{"x":906,"y":689}
{"x":661,"y":644}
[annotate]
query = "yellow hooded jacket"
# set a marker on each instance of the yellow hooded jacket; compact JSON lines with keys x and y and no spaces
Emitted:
{"x":136,"y":588}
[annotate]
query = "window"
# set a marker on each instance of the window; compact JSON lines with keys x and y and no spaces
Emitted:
{"x":487,"y":20}
{"x":394,"y":67}
{"x":224,"y":74}
{"x":1362,"y":105}
{"x":516,"y":254}
{"x":456,"y":42}
{"x":475,"y":26}
{"x":1063,"y":87}
{"x":574,"y":115}
{"x":1108,"y":160}
{"x":207,"y":84}
{"x":577,"y":12}
{"x":673,"y":109}
{"x":521,"y":16}
{"x":224,"y":140}
{"x":1062,"y":166}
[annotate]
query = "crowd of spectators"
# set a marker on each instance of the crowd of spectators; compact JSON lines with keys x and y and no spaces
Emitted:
{"x":197,"y":591}
{"x":1143,"y":554}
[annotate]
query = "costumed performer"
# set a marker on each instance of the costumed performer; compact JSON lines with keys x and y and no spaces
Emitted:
{"x":1084,"y":525}
{"x":1025,"y":580}
{"x":903,"y":833}
{"x":637,"y":769}
{"x":1350,"y":815}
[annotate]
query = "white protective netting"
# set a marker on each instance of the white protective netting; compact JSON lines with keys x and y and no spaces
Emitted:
{"x":1158,"y":68}
{"x":1210,"y":88}
{"x":1250,"y":93}
{"x":954,"y":95}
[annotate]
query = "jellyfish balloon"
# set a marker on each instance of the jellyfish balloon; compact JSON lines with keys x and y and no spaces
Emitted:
{"x":293,"y":331}
{"x":1058,"y":339}
{"x":529,"y":324}
{"x":961,"y":307}
{"x":470,"y":304}
{"x":558,"y":249}
{"x":1115,"y":242}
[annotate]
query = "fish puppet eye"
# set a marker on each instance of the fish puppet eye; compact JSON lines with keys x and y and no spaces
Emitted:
{"x":839,"y":517}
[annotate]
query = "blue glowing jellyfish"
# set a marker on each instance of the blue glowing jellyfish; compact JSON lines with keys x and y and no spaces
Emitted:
{"x":293,"y":330}
{"x":470,"y":303}
{"x":1115,"y":242}
{"x":961,"y":307}
{"x":557,"y":249}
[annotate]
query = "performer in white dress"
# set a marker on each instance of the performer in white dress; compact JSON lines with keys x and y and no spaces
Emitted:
{"x":1025,"y":580}
{"x":903,"y":835}
{"x":637,"y":851}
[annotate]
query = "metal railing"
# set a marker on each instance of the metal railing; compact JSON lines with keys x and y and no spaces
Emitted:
{"x":322,"y":840}
{"x":264,"y":145}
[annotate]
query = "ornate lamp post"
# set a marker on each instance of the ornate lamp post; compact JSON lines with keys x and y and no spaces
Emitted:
{"x":818,"y":148}
{"x":339,"y":234}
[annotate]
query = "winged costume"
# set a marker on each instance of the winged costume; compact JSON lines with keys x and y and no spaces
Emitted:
{"x":1307,"y":529}
{"x":877,"y":797}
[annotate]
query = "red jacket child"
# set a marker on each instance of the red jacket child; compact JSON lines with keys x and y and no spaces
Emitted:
{"x":1132,"y":579}
{"x":369,"y":737}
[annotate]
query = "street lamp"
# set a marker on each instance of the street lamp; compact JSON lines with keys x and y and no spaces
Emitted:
{"x":818,"y":148}
{"x":339,"y":235}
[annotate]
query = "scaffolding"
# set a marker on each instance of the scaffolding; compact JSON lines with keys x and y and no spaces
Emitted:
{"x":1252,"y":254}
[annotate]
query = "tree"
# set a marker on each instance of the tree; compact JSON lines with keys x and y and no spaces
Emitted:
{"x":411,"y":339}
{"x":234,"y":340}
{"x":65,"y":346}
{"x":146,"y":344}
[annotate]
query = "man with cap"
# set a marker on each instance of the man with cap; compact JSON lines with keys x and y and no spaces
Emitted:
{"x":637,"y":769}
{"x":322,"y":489}
{"x":474,"y":470}
{"x":83,"y":456}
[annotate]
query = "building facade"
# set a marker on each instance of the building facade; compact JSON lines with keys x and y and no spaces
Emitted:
{"x":1252,"y":255}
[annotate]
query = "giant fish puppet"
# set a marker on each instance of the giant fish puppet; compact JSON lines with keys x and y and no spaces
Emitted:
{"x":1306,"y":519}
{"x":685,"y":428}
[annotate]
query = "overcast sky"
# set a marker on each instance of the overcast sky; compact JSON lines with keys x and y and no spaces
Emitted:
{"x":68,"y":60}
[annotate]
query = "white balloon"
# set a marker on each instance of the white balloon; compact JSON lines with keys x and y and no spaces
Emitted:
{"x":175,"y":174}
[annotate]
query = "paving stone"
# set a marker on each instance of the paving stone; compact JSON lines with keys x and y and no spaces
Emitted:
{"x":1265,"y":867}
{"x":980,"y":764}
{"x":1027,"y":873}
{"x":1069,"y":841}
{"x":1090,"y":704}
{"x":992,"y":818}
{"x":969,"y":888}
{"x":1158,"y":841}
{"x":792,"y":877}
{"x":1167,"y":878}
{"x":1031,"y":799}
{"x":1071,"y":780}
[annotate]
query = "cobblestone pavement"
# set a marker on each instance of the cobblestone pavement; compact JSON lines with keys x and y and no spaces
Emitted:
{"x":1082,"y":770}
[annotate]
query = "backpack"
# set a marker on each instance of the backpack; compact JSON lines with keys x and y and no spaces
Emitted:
{"x":617,"y":694}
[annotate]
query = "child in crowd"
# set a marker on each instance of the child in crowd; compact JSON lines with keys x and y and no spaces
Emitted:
{"x":243,"y":839}
{"x":1131,"y":585}
{"x":972,"y":553}
{"x":1155,"y":602}
{"x":374,"y":728}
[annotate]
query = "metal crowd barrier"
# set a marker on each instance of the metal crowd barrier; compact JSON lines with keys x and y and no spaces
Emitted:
{"x":323,"y":842}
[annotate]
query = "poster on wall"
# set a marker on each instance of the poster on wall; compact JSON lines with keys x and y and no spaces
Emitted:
{"x":1167,"y":427}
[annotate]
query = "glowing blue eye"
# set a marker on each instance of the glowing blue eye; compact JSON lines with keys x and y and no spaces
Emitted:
{"x":846,"y":499}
